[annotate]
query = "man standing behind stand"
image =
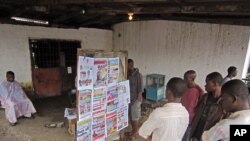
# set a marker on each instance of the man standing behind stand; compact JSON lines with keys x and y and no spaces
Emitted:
{"x":209,"y":109}
{"x":135,"y":81}
{"x":190,"y":98}
{"x":232,"y":72}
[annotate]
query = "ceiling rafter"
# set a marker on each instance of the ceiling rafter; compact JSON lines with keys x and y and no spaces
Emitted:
{"x":105,"y":13}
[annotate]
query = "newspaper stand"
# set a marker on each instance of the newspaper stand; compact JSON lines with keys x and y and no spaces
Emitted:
{"x":122,"y":73}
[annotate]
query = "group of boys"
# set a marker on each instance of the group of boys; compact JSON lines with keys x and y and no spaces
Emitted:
{"x":191,"y":115}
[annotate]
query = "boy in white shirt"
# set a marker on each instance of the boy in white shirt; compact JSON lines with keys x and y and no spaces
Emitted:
{"x":169,"y":122}
{"x":234,"y":100}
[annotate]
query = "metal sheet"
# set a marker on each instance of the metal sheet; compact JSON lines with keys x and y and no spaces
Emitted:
{"x":47,"y":82}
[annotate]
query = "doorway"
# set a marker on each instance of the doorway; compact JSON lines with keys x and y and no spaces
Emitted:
{"x":53,"y":64}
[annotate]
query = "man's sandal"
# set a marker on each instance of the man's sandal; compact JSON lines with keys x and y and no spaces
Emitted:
{"x":53,"y":125}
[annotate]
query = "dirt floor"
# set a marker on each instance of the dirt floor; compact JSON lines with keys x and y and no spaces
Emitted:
{"x":50,"y":110}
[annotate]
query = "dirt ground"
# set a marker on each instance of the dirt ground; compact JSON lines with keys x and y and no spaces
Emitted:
{"x":49,"y":110}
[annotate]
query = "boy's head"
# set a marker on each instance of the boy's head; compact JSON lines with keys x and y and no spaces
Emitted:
{"x":10,"y":76}
{"x":176,"y":87}
{"x":190,"y":76}
{"x":130,"y":65}
{"x":232,"y":71}
{"x":234,"y":95}
{"x":213,"y":81}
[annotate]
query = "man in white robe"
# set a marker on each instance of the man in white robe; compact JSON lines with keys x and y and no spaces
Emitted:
{"x":14,"y":100}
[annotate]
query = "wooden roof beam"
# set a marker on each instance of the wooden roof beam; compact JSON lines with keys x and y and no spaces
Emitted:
{"x":177,"y":9}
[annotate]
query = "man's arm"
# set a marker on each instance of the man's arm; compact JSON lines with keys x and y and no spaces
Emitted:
{"x":139,"y":87}
{"x":152,"y":123}
{"x":215,"y":133}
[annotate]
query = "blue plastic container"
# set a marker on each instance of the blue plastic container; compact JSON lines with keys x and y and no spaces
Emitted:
{"x":155,"y":88}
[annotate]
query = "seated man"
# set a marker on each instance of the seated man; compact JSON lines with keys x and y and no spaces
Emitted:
{"x":234,"y":100}
{"x":14,"y":100}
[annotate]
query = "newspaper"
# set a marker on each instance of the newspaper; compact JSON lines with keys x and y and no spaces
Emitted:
{"x":85,"y":103}
{"x":112,"y":98}
{"x":122,"y":118}
{"x":99,"y":99}
{"x":100,"y":72}
{"x":123,"y":93}
{"x":111,"y":123}
{"x":84,"y":130}
{"x":70,"y":113}
{"x":113,"y":71}
{"x":98,"y":126}
{"x":85,"y":73}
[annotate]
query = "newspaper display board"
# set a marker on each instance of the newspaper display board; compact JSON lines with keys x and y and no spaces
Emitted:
{"x":101,"y":86}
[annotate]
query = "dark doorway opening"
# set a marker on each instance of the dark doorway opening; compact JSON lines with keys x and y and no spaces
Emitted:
{"x":53,"y":65}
